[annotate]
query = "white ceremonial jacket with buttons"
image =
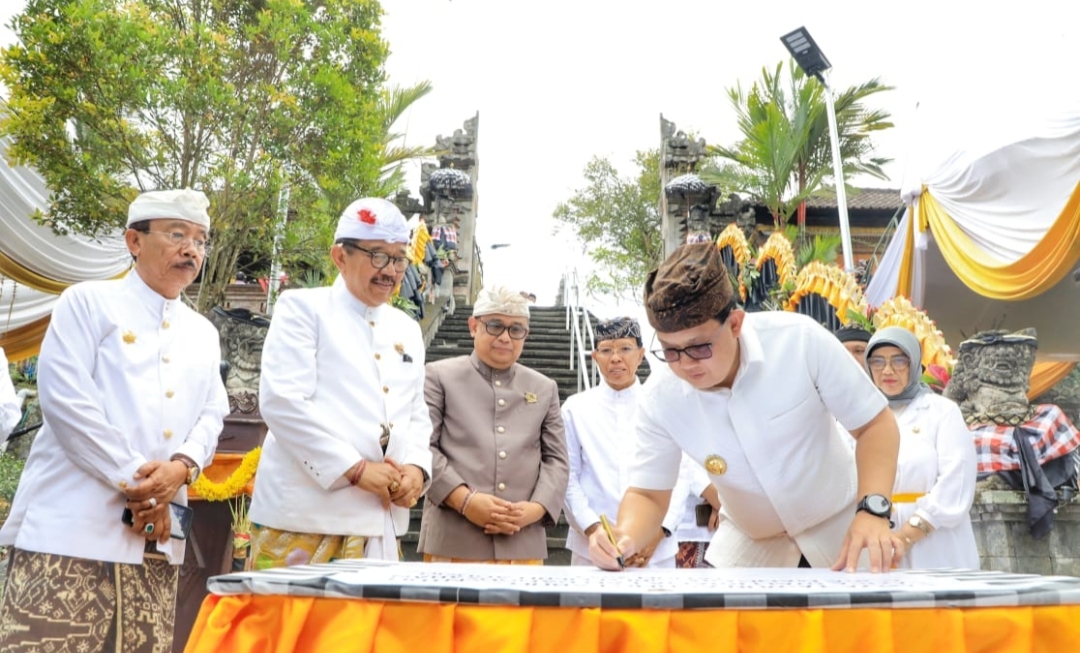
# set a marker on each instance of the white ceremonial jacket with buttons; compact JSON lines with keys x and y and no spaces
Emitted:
{"x":334,"y":372}
{"x":600,"y":434}
{"x":125,"y":376}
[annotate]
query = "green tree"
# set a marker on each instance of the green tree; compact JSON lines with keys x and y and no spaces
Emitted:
{"x":785,"y":149}
{"x":618,"y":221}
{"x":305,"y":242}
{"x":234,"y":97}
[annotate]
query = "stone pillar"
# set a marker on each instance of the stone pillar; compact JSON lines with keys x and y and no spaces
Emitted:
{"x":449,"y":189}
{"x":679,"y":156}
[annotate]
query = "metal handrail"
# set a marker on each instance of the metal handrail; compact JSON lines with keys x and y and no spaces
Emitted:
{"x":577,"y":321}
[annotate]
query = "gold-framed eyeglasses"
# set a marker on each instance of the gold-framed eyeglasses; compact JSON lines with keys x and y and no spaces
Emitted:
{"x":899,"y":362}
{"x":180,"y":239}
{"x":380,"y":260}
{"x":515,"y":331}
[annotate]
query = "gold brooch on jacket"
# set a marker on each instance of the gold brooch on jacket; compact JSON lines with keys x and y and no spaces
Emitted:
{"x":129,"y":337}
{"x":530,"y":397}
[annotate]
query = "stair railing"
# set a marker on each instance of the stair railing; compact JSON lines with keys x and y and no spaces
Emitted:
{"x":583,"y":338}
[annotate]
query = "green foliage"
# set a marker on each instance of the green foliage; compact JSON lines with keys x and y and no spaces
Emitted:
{"x":860,"y":320}
{"x":237,"y":98}
{"x":618,"y":221}
{"x":821,"y":247}
{"x":399,"y":302}
{"x":785,"y":151}
{"x":10,"y":470}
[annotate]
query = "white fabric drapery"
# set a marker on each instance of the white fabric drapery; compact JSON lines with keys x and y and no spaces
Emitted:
{"x":989,"y":238}
{"x":36,"y":249}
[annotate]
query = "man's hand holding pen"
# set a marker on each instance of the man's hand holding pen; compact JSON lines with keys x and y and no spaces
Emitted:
{"x":609,"y":548}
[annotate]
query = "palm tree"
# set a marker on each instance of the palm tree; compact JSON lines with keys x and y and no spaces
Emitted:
{"x":393,"y":104}
{"x":785,"y":148}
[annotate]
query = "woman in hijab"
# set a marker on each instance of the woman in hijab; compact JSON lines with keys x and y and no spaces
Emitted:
{"x":935,"y":472}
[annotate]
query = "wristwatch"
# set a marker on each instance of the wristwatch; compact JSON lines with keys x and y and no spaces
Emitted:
{"x":875,"y":504}
{"x":192,"y":467}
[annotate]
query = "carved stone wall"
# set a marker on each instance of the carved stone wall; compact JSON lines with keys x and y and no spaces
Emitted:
{"x":999,"y":518}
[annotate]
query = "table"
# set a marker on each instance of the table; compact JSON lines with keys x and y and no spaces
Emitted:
{"x":437,"y":608}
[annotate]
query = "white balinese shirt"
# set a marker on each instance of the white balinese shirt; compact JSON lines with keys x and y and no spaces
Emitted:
{"x":791,"y":480}
{"x":125,"y":376}
{"x":600,"y":425}
{"x":937,"y":459}
{"x":334,"y":372}
{"x":10,"y":403}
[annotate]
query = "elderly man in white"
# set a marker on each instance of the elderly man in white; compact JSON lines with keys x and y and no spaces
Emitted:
{"x":133,"y":404}
{"x":600,"y":427}
{"x":342,"y":390}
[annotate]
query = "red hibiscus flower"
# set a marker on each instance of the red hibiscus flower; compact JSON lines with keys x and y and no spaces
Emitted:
{"x":367,"y":216}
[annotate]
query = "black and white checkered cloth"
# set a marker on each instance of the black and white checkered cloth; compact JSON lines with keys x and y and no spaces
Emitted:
{"x":658,"y":589}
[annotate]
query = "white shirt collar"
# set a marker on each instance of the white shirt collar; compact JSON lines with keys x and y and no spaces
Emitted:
{"x":611,"y":393}
{"x":341,"y":291}
{"x":145,"y":295}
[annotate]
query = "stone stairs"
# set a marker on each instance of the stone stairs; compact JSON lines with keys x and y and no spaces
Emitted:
{"x":547,"y":350}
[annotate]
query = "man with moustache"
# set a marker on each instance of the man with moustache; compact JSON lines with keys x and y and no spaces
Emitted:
{"x":341,"y":391}
{"x":499,"y":454}
{"x":752,"y":398}
{"x":133,"y":403}
{"x":599,"y":437}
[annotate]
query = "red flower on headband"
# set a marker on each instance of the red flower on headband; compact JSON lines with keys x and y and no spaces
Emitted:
{"x":367,"y":216}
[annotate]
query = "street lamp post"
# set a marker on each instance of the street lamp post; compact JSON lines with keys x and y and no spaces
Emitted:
{"x":812,"y":60}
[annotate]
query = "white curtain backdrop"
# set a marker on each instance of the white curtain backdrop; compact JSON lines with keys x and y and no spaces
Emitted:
{"x":66,"y":259}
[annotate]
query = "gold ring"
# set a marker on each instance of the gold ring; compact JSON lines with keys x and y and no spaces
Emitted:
{"x":394,"y":487}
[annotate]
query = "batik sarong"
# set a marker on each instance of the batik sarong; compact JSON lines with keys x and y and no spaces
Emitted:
{"x":62,"y":604}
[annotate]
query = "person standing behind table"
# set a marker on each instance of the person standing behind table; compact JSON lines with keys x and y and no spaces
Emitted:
{"x":133,"y":404}
{"x":854,"y":339}
{"x":341,"y":391}
{"x":752,"y":399}
{"x":499,"y":454}
{"x":599,"y":436}
{"x":936,"y":468}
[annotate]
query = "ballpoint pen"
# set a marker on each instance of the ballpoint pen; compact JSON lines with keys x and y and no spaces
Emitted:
{"x":611,"y":538}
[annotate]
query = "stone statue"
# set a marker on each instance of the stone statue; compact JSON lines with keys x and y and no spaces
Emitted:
{"x":242,"y":334}
{"x":990,"y":379}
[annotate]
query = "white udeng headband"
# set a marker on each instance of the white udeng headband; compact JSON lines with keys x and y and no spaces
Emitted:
{"x":501,"y":300}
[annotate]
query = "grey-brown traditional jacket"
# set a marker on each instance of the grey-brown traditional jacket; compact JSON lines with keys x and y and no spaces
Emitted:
{"x":499,"y":432}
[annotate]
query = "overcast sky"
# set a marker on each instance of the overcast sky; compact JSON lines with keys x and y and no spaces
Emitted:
{"x":560,"y":81}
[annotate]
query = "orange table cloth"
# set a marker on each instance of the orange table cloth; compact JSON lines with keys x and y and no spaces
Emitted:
{"x":279,"y":624}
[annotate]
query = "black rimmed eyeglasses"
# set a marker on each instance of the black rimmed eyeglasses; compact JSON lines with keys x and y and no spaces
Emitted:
{"x":515,"y":331}
{"x":380,"y":260}
{"x":699,"y":352}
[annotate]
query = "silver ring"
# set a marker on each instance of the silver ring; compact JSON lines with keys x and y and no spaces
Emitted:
{"x":153,"y":502}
